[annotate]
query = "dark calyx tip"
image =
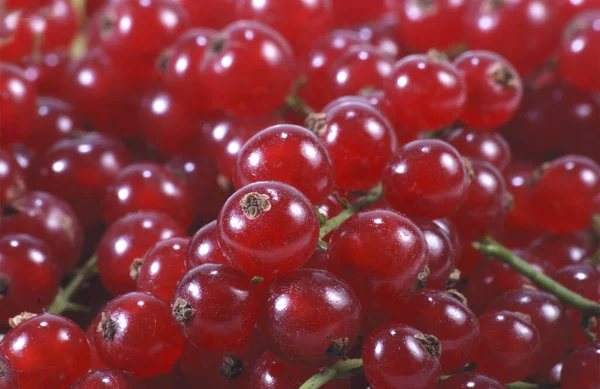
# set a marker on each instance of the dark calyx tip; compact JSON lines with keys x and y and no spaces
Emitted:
{"x":232,"y":367}
{"x":431,"y":344}
{"x":182,"y":311}
{"x":422,"y":278}
{"x":317,"y":123}
{"x":254,"y":204}
{"x":107,"y":326}
{"x":337,"y":348}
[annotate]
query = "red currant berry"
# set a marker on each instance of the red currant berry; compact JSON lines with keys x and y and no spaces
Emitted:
{"x":13,"y":178}
{"x":128,"y":239}
{"x":137,"y":334}
{"x":17,"y":97}
{"x":268,"y":229}
{"x":549,"y":317}
{"x":203,"y":289}
{"x":398,"y":245}
{"x":95,"y":361}
{"x":249,"y":69}
{"x":494,"y":89}
{"x":509,"y":347}
{"x":162,"y":268}
{"x":79,"y":171}
{"x":319,"y":260}
{"x":399,"y":356}
{"x":47,"y":351}
{"x":571,"y":210}
{"x":408,"y":184}
{"x":429,"y":89}
{"x":61,"y":24}
{"x":295,"y":331}
{"x":518,"y":178}
{"x":469,"y":381}
{"x":204,"y":247}
{"x":107,"y":379}
{"x":8,"y":376}
{"x":289,"y":154}
{"x":560,"y":250}
{"x":445,"y":316}
{"x":442,"y":253}
{"x":29,"y":276}
{"x":49,"y":73}
{"x":359,"y":140}
{"x":425,"y":25}
{"x":569,"y":8}
{"x":580,"y":368}
{"x":49,"y":219}
{"x":352,"y":12}
{"x":478,"y":146}
{"x":18,"y":31}
{"x":383,"y":34}
{"x":579,"y":51}
{"x":54,"y":120}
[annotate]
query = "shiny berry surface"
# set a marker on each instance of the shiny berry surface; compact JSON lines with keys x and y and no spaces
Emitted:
{"x":518,"y":178}
{"x":55,"y":119}
{"x":509,"y":348}
{"x":396,"y":242}
{"x":136,"y":334}
{"x":478,"y":146}
{"x":295,"y":331}
{"x":268,"y":229}
{"x":215,"y":306}
{"x":408,"y":183}
{"x":442,"y":252}
{"x":560,"y":250}
{"x":13,"y":178}
{"x":579,"y":370}
{"x":429,"y":89}
{"x":396,"y":355}
{"x":128,"y":239}
{"x":17,"y":97}
{"x":107,"y":379}
{"x":47,"y":350}
{"x":204,"y":247}
{"x":289,"y":154}
{"x":469,"y":381}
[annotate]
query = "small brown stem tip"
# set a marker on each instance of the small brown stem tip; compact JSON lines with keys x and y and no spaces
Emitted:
{"x":182,"y":311}
{"x":254,"y":204}
{"x":107,"y":327}
{"x":431,"y":344}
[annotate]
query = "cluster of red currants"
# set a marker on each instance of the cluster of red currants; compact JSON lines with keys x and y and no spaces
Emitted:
{"x":284,"y":194}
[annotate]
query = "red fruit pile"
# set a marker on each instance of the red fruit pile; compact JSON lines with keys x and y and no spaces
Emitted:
{"x":243,"y":194}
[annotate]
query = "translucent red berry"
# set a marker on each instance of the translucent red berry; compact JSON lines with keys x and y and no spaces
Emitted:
{"x":107,"y":379}
{"x":55,"y":119}
{"x":579,"y":369}
{"x":204,"y":247}
{"x":442,"y":252}
{"x":469,"y":381}
{"x":8,"y":376}
{"x":478,"y":146}
{"x":17,"y":97}
{"x":13,"y":178}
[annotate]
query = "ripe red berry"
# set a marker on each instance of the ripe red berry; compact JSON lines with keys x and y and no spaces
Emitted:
{"x":107,"y":379}
{"x":350,"y":12}
{"x":561,"y":250}
{"x":162,"y":268}
{"x":13,"y":178}
{"x":561,"y":210}
{"x":296,"y":332}
{"x":8,"y":376}
{"x":249,"y":69}
{"x":399,"y":356}
{"x":398,"y":245}
{"x":29,"y":275}
{"x":268,"y":229}
{"x":204,"y":247}
{"x":429,"y":90}
{"x":137,"y":334}
{"x":47,"y":351}
{"x":55,"y":119}
{"x":442,"y":252}
{"x":580,"y":368}
{"x":207,"y":13}
{"x":215,"y":305}
{"x":478,"y":146}
{"x":17,"y":97}
{"x":579,"y":50}
{"x":445,"y":316}
{"x":19,"y":29}
{"x":509,"y":348}
{"x":494,"y":89}
{"x":60,"y":24}
{"x":359,"y":141}
{"x":289,"y":154}
{"x":469,"y":381}
{"x":128,"y":239}
{"x":518,"y":178}
{"x":408,"y":184}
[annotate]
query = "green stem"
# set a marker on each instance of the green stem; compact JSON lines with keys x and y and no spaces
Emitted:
{"x":595,"y":258}
{"x":62,"y":301}
{"x":490,"y":247}
{"x":339,"y":370}
{"x":596,"y":223}
{"x":362,"y":203}
{"x":522,"y":385}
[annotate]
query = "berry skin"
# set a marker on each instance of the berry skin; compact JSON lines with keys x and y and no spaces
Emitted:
{"x":478,"y":146}
{"x":55,"y":119}
{"x":204,"y":248}
{"x":8,"y":376}
{"x":242,"y":77}
{"x":128,"y":239}
{"x":296,"y":332}
{"x":580,"y":369}
{"x":549,"y":317}
{"x":29,"y":276}
{"x":351,"y":12}
{"x":359,"y":141}
{"x":561,"y":250}
{"x":107,"y":379}
{"x":579,"y":51}
{"x":291,"y":19}
{"x":494,"y":89}
{"x":425,"y":25}
{"x":429,"y":90}
{"x":442,"y":252}
{"x":215,"y":305}
{"x":268,"y":229}
{"x":49,"y":219}
{"x":561,"y":210}
{"x":137,"y":334}
{"x":60,"y":25}
{"x":162,"y":268}
{"x":79,"y":171}
{"x":17,"y":98}
{"x":399,"y":356}
{"x":13,"y":178}
{"x":444,"y":316}
{"x":517,"y":178}
{"x":469,"y":381}
{"x":289,"y":154}
{"x":148,"y":187}
{"x":47,"y":351}
{"x":207,"y":13}
{"x":396,"y":242}
{"x":509,"y":347}
{"x":426,"y":178}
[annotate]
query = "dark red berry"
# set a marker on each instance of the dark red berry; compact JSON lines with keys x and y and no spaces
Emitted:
{"x":17,"y":97}
{"x":580,"y":368}
{"x":478,"y":146}
{"x":13,"y":178}
{"x":469,"y":381}
{"x":107,"y":379}
{"x":204,"y":247}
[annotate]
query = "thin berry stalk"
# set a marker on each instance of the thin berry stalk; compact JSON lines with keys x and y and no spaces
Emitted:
{"x":62,"y":301}
{"x":337,"y":371}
